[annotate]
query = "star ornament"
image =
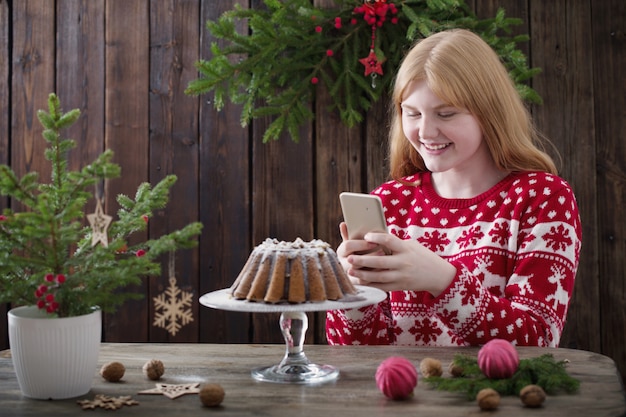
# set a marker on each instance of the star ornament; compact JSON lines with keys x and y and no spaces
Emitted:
{"x":372,"y":63}
{"x":99,"y":225}
{"x":173,"y":391}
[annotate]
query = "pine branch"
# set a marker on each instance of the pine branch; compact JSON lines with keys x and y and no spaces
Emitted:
{"x":544,"y":371}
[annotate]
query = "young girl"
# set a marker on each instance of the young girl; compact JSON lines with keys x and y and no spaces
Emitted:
{"x":484,"y":236}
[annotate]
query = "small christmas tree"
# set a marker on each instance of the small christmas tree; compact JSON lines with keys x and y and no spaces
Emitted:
{"x":50,"y":256}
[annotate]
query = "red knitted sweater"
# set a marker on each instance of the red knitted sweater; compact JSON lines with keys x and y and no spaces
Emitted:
{"x":515,"y":247}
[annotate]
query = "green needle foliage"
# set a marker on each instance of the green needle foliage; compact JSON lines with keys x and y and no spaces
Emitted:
{"x":544,"y":371}
{"x":50,"y":236}
{"x":272,"y":69}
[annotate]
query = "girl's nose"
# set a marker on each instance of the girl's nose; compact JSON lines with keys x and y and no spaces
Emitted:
{"x":427,"y":128}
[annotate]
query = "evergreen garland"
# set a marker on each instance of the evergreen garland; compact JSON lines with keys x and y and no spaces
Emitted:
{"x":291,"y":46}
{"x":544,"y":371}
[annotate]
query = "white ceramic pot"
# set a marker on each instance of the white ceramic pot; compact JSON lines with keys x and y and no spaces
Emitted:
{"x":54,"y":358}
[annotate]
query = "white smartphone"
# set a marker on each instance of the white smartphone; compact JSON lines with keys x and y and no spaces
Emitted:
{"x":362,"y":213}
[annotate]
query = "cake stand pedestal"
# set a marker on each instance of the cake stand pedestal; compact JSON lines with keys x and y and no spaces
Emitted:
{"x":295,"y":367}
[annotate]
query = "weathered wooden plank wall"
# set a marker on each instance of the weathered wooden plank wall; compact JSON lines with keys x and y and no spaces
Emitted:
{"x":567,"y":117}
{"x":126,"y":64}
{"x":607,"y":234}
{"x":5,"y":87}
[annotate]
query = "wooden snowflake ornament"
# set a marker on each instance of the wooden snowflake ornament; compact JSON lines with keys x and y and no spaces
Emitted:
{"x":173,"y":308}
{"x":173,"y":391}
{"x":106,"y":402}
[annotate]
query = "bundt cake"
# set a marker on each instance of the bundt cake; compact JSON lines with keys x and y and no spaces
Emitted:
{"x":292,"y":272}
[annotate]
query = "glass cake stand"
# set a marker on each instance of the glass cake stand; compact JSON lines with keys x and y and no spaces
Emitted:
{"x":295,"y":367}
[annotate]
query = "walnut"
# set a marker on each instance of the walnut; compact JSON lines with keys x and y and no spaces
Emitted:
{"x":153,"y":369}
{"x":532,"y":396}
{"x":455,"y":370}
{"x":430,"y":367}
{"x":211,"y":395}
{"x":112,"y":371}
{"x":488,"y":399}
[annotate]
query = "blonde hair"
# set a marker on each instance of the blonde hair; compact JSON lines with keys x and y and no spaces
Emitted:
{"x":463,"y":71}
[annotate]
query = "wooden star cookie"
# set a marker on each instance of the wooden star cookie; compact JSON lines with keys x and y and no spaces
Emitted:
{"x":173,"y":390}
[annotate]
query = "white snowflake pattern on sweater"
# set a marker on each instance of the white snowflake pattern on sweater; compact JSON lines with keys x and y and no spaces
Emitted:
{"x":516,"y":249}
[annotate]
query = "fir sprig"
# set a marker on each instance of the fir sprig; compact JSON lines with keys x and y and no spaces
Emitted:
{"x":272,"y":70}
{"x":544,"y":371}
{"x":48,"y":238}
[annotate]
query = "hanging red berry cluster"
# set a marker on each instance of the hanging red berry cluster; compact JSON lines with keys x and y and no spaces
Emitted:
{"x":375,"y":12}
{"x":45,"y":295}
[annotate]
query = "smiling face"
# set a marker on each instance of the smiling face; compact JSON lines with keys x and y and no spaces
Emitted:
{"x":449,"y":139}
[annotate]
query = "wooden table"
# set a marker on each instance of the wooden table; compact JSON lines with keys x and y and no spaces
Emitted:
{"x":354,"y":393}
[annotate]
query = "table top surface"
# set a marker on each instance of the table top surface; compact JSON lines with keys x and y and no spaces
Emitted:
{"x":353,"y":393}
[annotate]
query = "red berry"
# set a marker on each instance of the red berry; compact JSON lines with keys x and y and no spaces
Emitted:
{"x":60,"y":278}
{"x":41,"y":304}
{"x":2,"y":217}
{"x":145,"y":218}
{"x":43,"y":288}
{"x":140,"y":253}
{"x":315,"y":80}
{"x":49,"y":277}
{"x":318,"y":29}
{"x":50,"y":297}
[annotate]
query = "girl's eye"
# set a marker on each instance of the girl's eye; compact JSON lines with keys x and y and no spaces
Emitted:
{"x":446,"y":115}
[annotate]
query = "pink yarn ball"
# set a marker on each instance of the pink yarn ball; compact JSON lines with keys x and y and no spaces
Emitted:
{"x":396,"y":377}
{"x":498,"y":359}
